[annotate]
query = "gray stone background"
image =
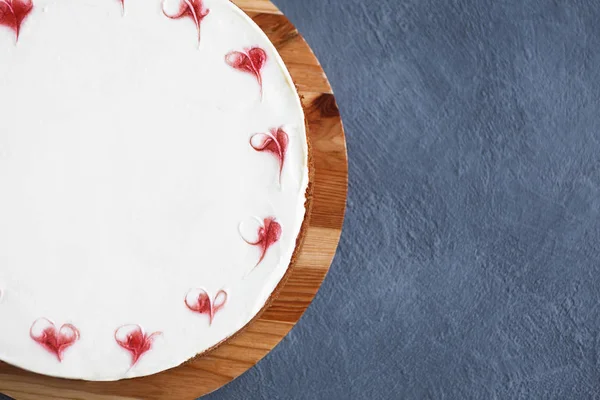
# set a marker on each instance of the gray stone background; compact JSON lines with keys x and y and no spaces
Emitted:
{"x":469,"y":266}
{"x":469,"y":263}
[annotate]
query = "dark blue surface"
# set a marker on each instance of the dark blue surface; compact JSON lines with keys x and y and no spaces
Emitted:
{"x":469,"y":265}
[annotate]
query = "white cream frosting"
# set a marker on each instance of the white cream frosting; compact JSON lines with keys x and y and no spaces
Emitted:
{"x":126,"y":174}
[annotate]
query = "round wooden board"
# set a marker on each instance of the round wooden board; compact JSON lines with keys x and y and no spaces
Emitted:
{"x":219,"y":367}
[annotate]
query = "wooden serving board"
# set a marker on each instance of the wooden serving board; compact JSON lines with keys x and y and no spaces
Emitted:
{"x":230,"y":360}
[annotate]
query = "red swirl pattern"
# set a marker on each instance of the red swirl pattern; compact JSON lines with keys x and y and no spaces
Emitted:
{"x":250,"y":61}
{"x":198,"y":301}
{"x":194,"y":9}
{"x":133,"y":339}
{"x":13,"y":13}
{"x":54,"y":340}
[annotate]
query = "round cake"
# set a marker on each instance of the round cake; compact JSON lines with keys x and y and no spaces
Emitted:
{"x":153,"y":181}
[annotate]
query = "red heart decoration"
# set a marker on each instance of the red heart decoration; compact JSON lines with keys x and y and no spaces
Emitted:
{"x":13,"y":12}
{"x":274,"y":142}
{"x":199,"y":301}
{"x":133,"y":339}
{"x":56,"y":341}
{"x":269,"y":233}
{"x":250,"y":60}
{"x":193,"y":9}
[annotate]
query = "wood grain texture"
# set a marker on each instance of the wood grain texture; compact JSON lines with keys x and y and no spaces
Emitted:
{"x":222,"y":365}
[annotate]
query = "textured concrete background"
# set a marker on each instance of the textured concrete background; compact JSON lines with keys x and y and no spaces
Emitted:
{"x":469,"y":262}
{"x":469,"y":266}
